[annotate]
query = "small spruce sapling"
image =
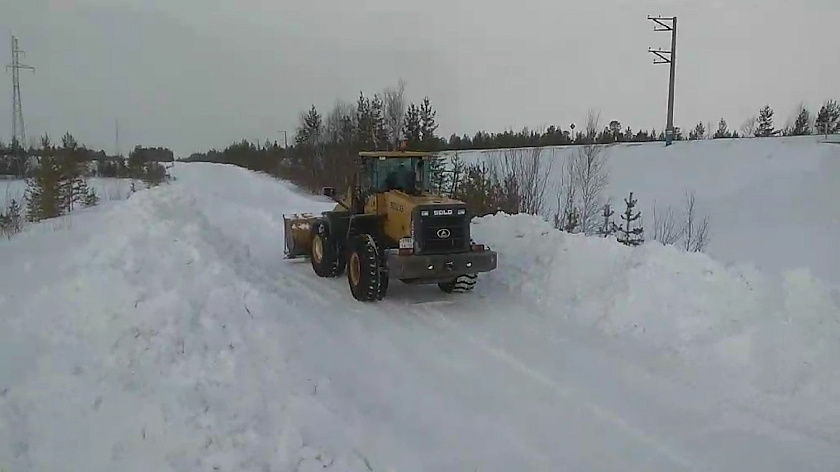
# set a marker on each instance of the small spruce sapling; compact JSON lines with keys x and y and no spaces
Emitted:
{"x":626,"y":234}
{"x":609,"y":228}
{"x":11,"y":221}
{"x":90,"y":197}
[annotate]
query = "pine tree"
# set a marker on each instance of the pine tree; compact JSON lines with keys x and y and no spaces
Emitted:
{"x":412,"y":127}
{"x":72,"y":186}
{"x":11,"y":221}
{"x":626,"y":234}
{"x":608,"y":228}
{"x":765,"y":123}
{"x":91,"y":198}
{"x":457,"y":176}
{"x":43,"y":194}
{"x":614,"y":130}
{"x":802,"y":125}
{"x":723,"y":130}
{"x":699,"y":132}
{"x":828,"y":119}
{"x":428,"y":126}
{"x":379,"y":126}
{"x":428,"y":142}
{"x":364,"y":124}
{"x":309,"y":131}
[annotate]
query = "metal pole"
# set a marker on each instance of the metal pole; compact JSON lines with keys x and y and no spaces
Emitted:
{"x":671,"y":83}
{"x":668,"y":57}
{"x":13,"y":66}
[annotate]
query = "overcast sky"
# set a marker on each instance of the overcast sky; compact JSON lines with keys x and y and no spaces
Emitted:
{"x":197,"y":74}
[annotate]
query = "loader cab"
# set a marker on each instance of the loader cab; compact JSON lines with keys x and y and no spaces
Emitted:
{"x":398,"y":170}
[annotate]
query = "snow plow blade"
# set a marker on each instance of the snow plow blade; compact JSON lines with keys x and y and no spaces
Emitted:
{"x":297,"y":234}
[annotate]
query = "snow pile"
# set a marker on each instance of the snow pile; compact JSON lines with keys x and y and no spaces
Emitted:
{"x":136,"y":340}
{"x":780,"y":332}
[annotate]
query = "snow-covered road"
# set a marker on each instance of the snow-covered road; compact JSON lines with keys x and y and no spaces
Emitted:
{"x":167,"y":332}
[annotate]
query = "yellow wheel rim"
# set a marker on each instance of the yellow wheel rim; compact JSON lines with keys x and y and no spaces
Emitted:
{"x":355,"y":269}
{"x":317,"y":249}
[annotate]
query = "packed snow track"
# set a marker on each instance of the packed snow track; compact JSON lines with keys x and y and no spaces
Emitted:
{"x":167,"y":332}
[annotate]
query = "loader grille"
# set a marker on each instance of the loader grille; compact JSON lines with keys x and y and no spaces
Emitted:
{"x":443,"y":234}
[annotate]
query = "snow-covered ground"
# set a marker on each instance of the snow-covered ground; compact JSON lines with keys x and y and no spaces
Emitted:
{"x":167,"y":332}
{"x":772,"y":202}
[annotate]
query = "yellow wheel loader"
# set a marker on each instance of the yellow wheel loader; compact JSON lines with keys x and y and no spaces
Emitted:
{"x":390,"y":225}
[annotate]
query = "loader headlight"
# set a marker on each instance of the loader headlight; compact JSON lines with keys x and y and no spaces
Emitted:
{"x":424,"y":212}
{"x":462,"y":211}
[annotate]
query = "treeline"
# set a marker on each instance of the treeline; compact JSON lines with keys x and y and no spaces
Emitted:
{"x":16,"y":161}
{"x":825,"y":121}
{"x":57,"y":178}
{"x":324,"y":145}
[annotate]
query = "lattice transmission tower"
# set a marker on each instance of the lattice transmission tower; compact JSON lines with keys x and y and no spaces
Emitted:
{"x":18,"y":128}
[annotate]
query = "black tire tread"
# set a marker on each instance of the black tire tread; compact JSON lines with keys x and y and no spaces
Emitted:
{"x":373,"y":281}
{"x":333,"y":263}
{"x":461,"y":284}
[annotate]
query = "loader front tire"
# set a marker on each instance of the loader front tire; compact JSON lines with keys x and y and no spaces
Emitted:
{"x":326,"y":259}
{"x":365,"y":270}
{"x":460,"y":284}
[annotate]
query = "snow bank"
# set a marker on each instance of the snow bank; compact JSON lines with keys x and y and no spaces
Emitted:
{"x":781,"y":332}
{"x":772,"y":202}
{"x":135,"y":341}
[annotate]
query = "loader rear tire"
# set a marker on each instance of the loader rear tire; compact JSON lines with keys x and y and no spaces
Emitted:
{"x":365,"y":270}
{"x":327,"y":261}
{"x":460,"y":284}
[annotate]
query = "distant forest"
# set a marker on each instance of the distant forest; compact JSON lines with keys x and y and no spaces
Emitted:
{"x":17,"y":161}
{"x":324,"y":142}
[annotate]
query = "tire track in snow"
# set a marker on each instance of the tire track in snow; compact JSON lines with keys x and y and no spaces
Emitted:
{"x":438,"y":320}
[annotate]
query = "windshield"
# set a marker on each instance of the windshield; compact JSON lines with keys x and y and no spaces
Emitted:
{"x":409,"y":174}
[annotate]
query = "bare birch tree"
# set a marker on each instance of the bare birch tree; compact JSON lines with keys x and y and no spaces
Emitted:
{"x":590,"y":176}
{"x":666,"y":226}
{"x":395,"y":107}
{"x":565,"y":216}
{"x":748,"y":127}
{"x":522,"y":176}
{"x":696,"y":233}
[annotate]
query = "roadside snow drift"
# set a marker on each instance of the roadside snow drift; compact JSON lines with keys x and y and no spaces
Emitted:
{"x":167,"y":332}
{"x":781,"y":333}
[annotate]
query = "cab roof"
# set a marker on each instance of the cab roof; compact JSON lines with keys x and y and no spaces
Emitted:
{"x":388,"y":154}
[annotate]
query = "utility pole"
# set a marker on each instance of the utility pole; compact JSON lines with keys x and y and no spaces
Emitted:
{"x":667,"y":57}
{"x":18,"y":130}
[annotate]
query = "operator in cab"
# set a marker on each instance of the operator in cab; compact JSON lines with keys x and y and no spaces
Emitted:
{"x":401,"y":178}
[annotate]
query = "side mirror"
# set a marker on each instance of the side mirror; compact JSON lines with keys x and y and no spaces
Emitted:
{"x":329,"y":192}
